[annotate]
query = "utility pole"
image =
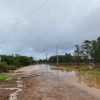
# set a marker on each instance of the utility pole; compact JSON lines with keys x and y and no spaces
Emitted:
{"x":0,"y":58}
{"x":46,"y":56}
{"x":57,"y":54}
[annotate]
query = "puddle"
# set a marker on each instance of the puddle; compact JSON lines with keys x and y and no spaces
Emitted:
{"x":78,"y":78}
{"x":89,"y":80}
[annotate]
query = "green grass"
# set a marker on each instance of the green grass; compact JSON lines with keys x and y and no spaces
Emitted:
{"x":4,"y":76}
{"x":94,"y":72}
{"x":71,"y":68}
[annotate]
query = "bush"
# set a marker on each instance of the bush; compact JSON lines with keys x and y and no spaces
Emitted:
{"x":17,"y":60}
{"x":3,"y":67}
{"x":4,"y":76}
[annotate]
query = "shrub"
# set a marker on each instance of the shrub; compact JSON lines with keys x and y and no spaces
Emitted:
{"x":3,"y":67}
{"x":4,"y":76}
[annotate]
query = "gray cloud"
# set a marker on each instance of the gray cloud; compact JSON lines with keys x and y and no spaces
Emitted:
{"x":29,"y":30}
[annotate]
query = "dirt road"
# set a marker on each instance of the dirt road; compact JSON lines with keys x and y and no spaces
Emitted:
{"x":51,"y":88}
{"x":45,"y":84}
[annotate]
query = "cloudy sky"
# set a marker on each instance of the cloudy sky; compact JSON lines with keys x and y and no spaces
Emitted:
{"x":32,"y":27}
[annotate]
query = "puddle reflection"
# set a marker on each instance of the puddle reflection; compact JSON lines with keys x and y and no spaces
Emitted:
{"x":89,"y":80}
{"x":82,"y":76}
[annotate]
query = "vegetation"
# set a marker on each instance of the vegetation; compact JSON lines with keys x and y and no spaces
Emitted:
{"x":11,"y":62}
{"x":93,"y":72}
{"x":62,"y":58}
{"x":3,"y":67}
{"x":4,"y":76}
{"x":88,"y":52}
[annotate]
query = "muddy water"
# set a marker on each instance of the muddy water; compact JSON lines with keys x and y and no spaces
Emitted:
{"x":77,"y":79}
{"x":80,"y":77}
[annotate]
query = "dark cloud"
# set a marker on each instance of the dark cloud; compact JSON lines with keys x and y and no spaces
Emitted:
{"x":59,"y":22}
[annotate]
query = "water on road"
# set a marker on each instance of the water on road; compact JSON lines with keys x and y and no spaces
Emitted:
{"x":78,"y":79}
{"x":46,"y":82}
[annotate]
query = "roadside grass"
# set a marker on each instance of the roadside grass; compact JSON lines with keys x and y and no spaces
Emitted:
{"x":94,"y":71}
{"x":4,"y":76}
{"x":71,"y":68}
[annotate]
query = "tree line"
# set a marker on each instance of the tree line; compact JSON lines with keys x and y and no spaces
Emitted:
{"x":61,"y":58}
{"x":11,"y":62}
{"x":88,"y":52}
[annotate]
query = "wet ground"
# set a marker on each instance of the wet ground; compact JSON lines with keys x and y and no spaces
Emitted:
{"x":44,"y":82}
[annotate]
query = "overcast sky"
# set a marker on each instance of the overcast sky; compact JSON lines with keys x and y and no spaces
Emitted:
{"x":32,"y":27}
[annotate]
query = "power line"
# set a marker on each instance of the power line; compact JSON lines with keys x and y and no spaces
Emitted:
{"x":46,"y":56}
{"x":42,"y":5}
{"x":35,"y":11}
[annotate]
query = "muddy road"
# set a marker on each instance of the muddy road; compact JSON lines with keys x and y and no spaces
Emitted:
{"x":44,"y":82}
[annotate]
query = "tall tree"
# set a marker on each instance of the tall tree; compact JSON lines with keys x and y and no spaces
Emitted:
{"x":98,"y":50}
{"x":86,"y":50}
{"x":77,"y":53}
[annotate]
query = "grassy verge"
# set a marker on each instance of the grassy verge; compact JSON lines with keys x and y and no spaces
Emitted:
{"x":94,"y":72}
{"x":4,"y":76}
{"x":71,"y":68}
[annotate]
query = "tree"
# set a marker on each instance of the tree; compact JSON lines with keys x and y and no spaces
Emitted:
{"x":3,"y":67}
{"x":77,"y":53}
{"x":17,"y":60}
{"x":86,"y":50}
{"x":94,"y":50}
{"x":97,"y":52}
